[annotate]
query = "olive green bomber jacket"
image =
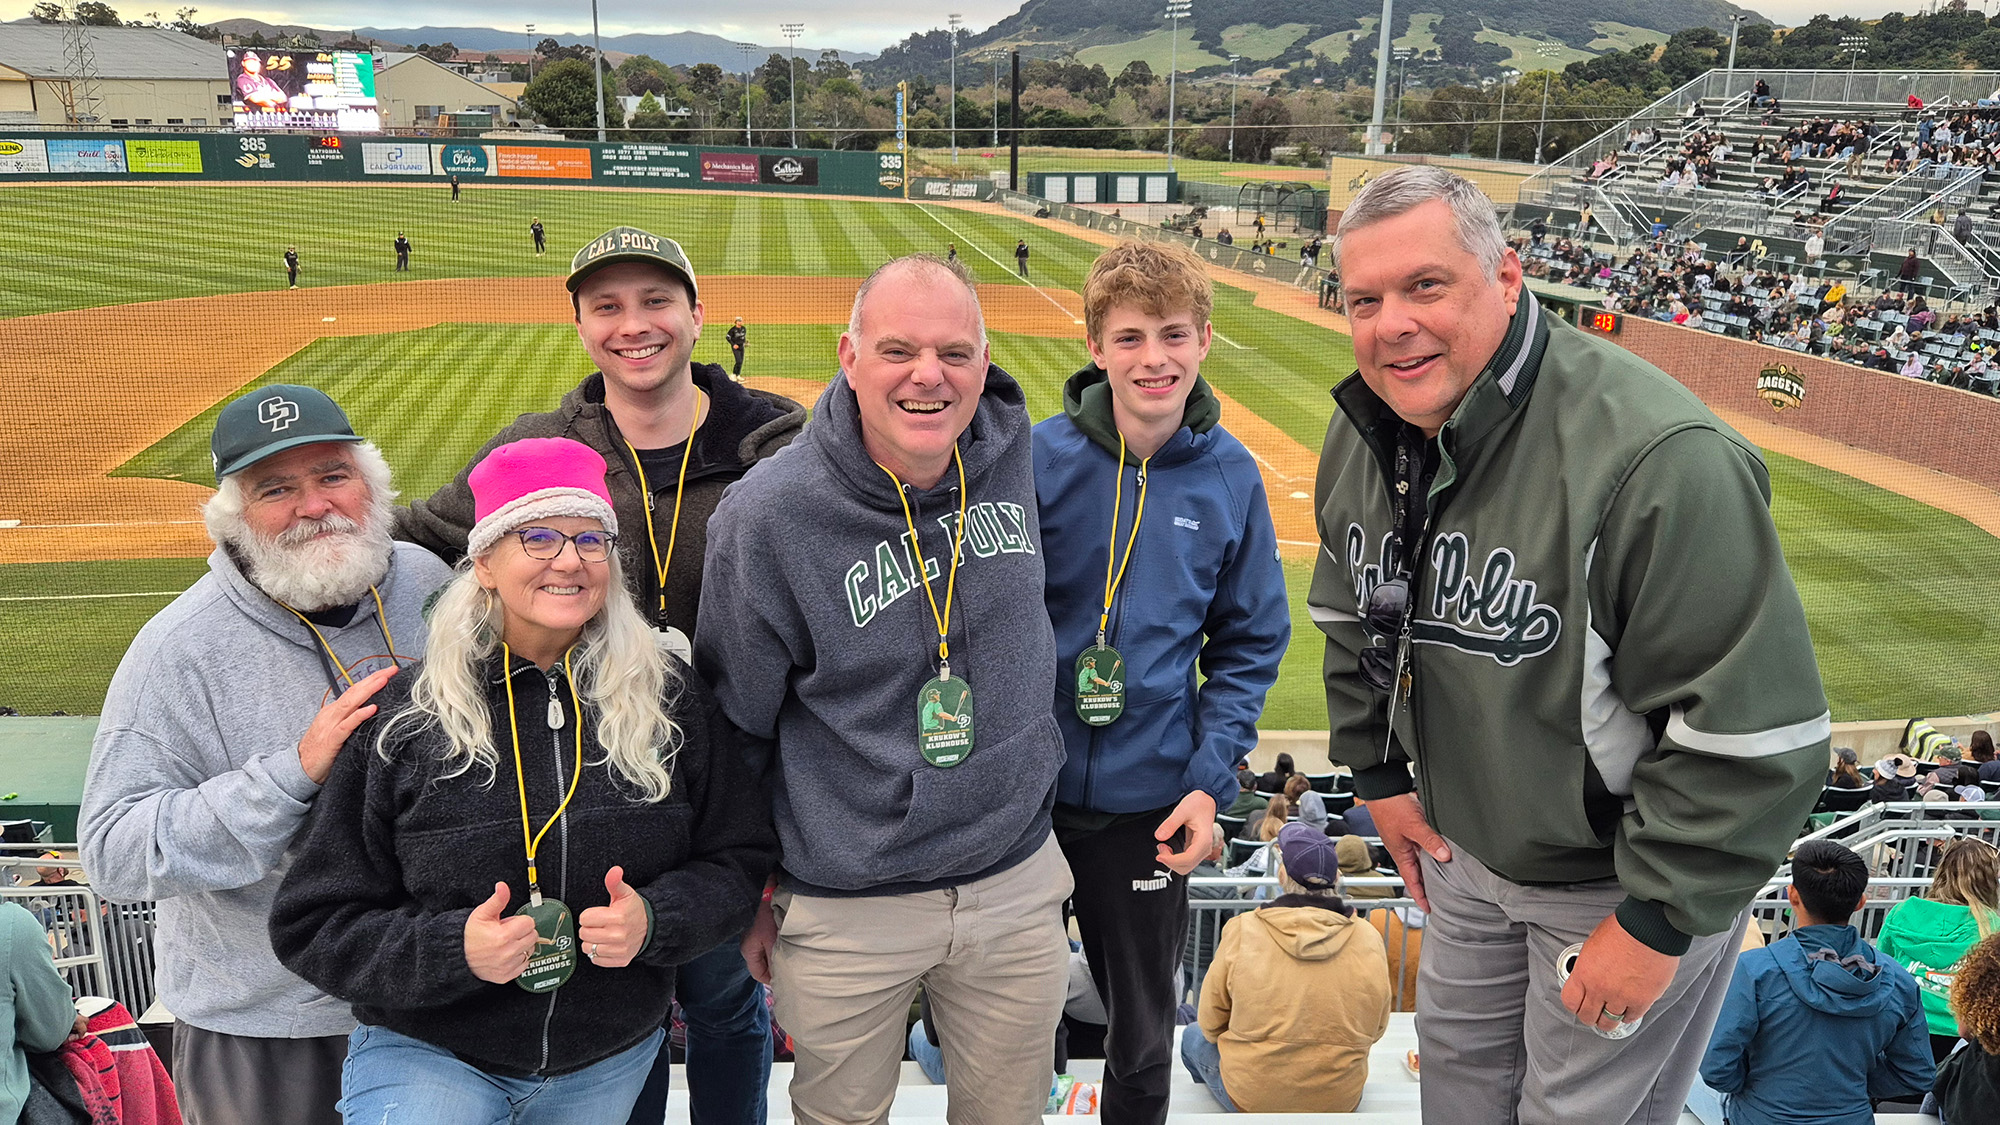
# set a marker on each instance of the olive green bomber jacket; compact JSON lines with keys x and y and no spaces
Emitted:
{"x":1612,"y":674}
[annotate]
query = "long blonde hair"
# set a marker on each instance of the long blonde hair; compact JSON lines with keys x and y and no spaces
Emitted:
{"x":1275,"y":815}
{"x":1968,"y":875}
{"x":621,"y":676}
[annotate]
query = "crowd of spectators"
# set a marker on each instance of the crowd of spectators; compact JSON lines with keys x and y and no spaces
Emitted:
{"x":1751,"y":295}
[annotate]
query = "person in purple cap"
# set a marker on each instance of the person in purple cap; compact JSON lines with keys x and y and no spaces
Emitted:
{"x":1297,"y":995}
{"x":535,"y":828}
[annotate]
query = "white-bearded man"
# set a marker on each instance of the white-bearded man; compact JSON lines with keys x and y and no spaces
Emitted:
{"x":220,"y":725}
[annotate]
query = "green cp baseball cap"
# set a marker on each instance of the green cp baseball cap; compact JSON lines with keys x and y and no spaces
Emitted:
{"x":630,"y":244}
{"x":272,"y":420}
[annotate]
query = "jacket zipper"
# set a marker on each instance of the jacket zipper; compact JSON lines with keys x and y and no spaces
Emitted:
{"x":562,"y":851}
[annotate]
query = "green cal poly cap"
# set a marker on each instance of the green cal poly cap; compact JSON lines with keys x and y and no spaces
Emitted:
{"x":630,"y":244}
{"x":272,"y":420}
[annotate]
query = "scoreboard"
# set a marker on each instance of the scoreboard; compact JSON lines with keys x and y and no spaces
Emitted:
{"x":1599,"y":320}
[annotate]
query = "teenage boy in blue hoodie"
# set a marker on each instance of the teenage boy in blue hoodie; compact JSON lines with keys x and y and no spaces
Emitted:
{"x":1162,"y":561}
{"x":1817,"y":1024}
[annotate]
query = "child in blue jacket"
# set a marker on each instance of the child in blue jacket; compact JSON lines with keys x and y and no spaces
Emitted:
{"x":1820,"y":1022}
{"x":1168,"y":601}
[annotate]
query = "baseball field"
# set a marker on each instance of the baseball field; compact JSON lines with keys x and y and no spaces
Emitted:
{"x":130,"y":314}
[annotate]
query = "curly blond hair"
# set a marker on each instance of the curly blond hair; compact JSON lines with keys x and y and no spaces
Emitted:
{"x":1975,"y":995}
{"x":1158,"y":278}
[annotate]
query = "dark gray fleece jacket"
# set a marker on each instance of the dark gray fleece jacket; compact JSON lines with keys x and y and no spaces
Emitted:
{"x":815,"y":632}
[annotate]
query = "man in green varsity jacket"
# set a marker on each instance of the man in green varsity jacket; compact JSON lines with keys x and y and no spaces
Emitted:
{"x":1551,"y":584}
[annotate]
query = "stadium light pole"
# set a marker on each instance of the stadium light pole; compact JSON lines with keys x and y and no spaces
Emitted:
{"x":1548,"y":76}
{"x":597,"y":68}
{"x":1402,"y":72}
{"x":1855,"y":46}
{"x":1175,"y":10}
{"x":1729,"y":71}
{"x":996,"y":99}
{"x":748,"y":49}
{"x":531,"y":52}
{"x":1232,"y":107}
{"x":792,"y":32}
{"x":1374,"y":145}
{"x":954,"y":20}
{"x":1500,"y":129}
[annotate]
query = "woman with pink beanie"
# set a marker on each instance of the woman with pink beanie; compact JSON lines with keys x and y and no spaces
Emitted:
{"x":512,"y":854}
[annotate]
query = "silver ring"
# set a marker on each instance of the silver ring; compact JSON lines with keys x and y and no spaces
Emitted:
{"x":594,"y":947}
{"x":1614,"y":1017}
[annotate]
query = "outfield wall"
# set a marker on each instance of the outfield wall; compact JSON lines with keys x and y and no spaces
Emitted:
{"x":1938,"y":428}
{"x":295,"y":157}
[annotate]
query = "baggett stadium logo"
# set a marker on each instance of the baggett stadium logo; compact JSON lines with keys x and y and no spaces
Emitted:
{"x":256,"y":155}
{"x":1781,"y":386}
{"x":1489,"y":613}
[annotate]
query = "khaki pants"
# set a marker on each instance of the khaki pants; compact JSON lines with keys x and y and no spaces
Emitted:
{"x":993,"y":956}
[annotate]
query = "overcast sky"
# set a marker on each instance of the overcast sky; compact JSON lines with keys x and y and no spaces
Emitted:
{"x":851,"y":25}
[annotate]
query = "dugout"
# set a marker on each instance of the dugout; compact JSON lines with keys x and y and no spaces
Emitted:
{"x":1105,"y":187}
{"x":1303,"y":203}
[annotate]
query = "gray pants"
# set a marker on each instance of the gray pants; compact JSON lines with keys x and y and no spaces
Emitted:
{"x":1498,"y":1045}
{"x":244,"y":1080}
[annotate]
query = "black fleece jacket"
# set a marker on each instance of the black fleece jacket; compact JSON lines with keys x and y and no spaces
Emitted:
{"x":394,"y":858}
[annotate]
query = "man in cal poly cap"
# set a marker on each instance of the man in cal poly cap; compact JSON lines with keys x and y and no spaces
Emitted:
{"x":221,"y":724}
{"x":674,"y":434}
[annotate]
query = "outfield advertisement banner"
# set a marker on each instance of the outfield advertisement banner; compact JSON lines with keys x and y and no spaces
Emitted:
{"x":463,"y":160}
{"x":330,"y":157}
{"x":23,"y":157}
{"x":544,"y":163}
{"x":92,"y":155}
{"x":143,"y":154}
{"x":402,"y":159}
{"x":729,"y":167}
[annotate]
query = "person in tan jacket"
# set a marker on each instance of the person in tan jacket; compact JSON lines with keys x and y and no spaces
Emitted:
{"x":1296,"y":996}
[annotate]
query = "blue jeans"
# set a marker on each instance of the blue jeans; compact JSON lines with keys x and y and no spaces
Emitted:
{"x":1705,"y":1103}
{"x":929,"y":1058}
{"x":392,"y":1079}
{"x":1204,"y":1061}
{"x":728,"y":1045}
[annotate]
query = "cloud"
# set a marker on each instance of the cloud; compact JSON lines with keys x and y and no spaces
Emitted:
{"x":860,"y":25}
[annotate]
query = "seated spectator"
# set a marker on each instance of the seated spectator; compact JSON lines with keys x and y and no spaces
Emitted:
{"x":1297,"y":996}
{"x":1968,"y":1082}
{"x":1846,"y":771}
{"x":1247,"y":799}
{"x":1360,"y":821}
{"x":1982,"y":753}
{"x":1265,"y":823}
{"x":1929,"y":934}
{"x":1818,"y":1023}
{"x":38,"y":1013}
{"x":1310,"y":805}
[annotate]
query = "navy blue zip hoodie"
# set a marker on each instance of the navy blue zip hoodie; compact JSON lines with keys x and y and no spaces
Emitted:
{"x":1813,"y":1027}
{"x":816,"y":633}
{"x":1204,"y":591}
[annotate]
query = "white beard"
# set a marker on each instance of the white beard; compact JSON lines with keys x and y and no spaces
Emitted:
{"x":311,"y":574}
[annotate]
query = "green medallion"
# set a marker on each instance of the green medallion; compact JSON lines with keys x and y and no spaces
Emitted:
{"x":554,"y":958}
{"x":1100,"y":685}
{"x":944,"y":720}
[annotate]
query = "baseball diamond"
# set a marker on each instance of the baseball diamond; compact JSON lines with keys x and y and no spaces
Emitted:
{"x":182,"y":296}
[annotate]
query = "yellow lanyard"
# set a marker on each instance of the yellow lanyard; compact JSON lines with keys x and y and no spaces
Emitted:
{"x":923,"y":569}
{"x":381,"y":622}
{"x":521,"y":779}
{"x":1111,"y":549}
{"x":660,"y":565}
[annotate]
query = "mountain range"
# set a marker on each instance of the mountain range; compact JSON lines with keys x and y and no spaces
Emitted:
{"x":682,"y":48}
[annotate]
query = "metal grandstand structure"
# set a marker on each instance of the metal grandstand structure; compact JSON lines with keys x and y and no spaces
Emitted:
{"x":80,"y":98}
{"x":1884,"y":213}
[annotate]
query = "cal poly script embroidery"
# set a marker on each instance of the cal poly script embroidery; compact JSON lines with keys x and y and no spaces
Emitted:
{"x":875,"y":582}
{"x":1491,"y":613}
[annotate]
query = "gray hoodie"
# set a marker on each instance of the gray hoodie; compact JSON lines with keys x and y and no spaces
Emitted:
{"x":816,"y":633}
{"x":195,"y":789}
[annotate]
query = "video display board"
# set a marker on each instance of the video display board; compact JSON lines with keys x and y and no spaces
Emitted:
{"x":274,"y":89}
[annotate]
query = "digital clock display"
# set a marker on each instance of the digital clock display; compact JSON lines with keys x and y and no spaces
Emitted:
{"x":1600,"y":320}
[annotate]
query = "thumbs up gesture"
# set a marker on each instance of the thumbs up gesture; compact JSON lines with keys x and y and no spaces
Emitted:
{"x":497,"y":947}
{"x":612,"y":935}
